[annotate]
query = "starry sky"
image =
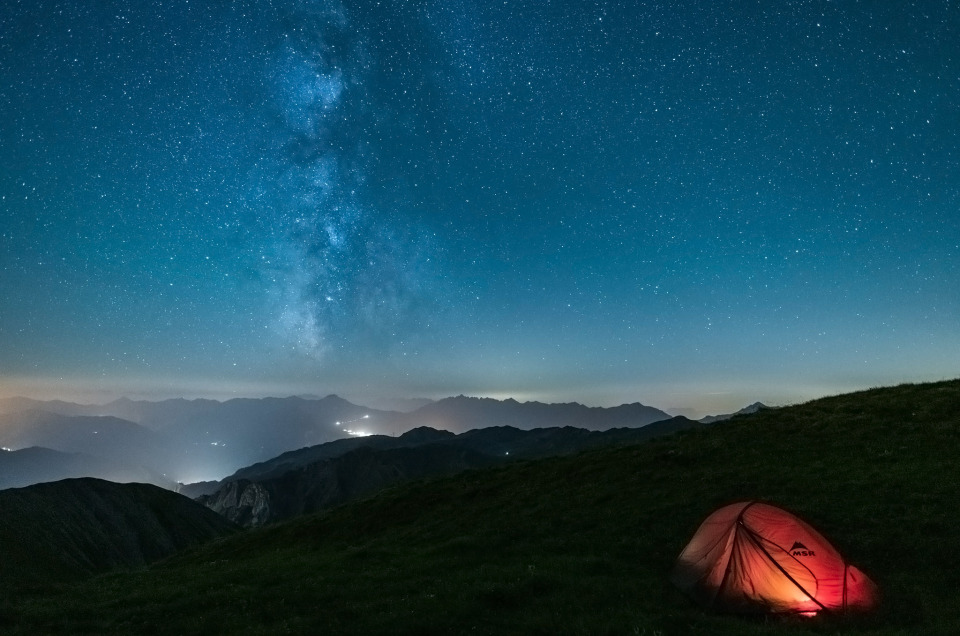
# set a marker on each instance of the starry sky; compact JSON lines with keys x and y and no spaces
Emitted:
{"x":692,"y":205}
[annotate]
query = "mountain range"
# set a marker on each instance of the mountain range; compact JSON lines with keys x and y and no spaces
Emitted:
{"x":322,"y":476}
{"x":202,"y":440}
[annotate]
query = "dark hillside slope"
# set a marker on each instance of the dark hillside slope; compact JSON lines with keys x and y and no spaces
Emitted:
{"x":75,"y":527}
{"x":577,"y":544}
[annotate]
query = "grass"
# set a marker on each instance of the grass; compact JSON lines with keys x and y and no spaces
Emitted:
{"x":574,"y":545}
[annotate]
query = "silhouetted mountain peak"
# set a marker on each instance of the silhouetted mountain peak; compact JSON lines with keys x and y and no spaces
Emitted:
{"x":335,"y":400}
{"x":747,"y":410}
{"x":425,"y":434}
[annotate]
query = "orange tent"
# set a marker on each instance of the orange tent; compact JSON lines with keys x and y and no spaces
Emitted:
{"x":753,"y":557}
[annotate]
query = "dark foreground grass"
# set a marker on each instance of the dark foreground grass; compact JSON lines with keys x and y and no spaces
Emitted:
{"x":577,"y":545}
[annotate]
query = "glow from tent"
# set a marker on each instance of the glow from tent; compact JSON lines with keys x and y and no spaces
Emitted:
{"x":739,"y":555}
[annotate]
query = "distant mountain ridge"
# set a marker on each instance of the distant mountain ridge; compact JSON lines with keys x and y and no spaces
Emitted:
{"x":187,"y":441}
{"x":462,"y":413}
{"x":312,"y":479}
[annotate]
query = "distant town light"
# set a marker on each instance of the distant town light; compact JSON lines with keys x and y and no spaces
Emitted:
{"x":356,"y":433}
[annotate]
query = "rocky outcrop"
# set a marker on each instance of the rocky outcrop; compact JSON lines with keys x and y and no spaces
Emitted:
{"x":243,"y":502}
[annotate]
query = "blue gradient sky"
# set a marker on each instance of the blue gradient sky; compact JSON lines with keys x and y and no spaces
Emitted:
{"x":691,"y":205}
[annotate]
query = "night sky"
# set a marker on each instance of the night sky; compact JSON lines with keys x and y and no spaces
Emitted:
{"x":689,"y":204}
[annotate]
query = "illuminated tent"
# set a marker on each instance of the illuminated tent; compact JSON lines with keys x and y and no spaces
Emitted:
{"x":753,"y":557}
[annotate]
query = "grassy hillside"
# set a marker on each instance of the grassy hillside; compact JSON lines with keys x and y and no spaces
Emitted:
{"x":69,"y":529}
{"x":575,"y":545}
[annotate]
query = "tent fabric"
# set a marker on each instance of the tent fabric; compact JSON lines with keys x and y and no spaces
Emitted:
{"x":752,"y":557}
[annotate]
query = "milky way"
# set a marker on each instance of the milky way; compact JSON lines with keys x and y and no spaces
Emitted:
{"x":684,"y":204}
{"x":337,"y":270}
